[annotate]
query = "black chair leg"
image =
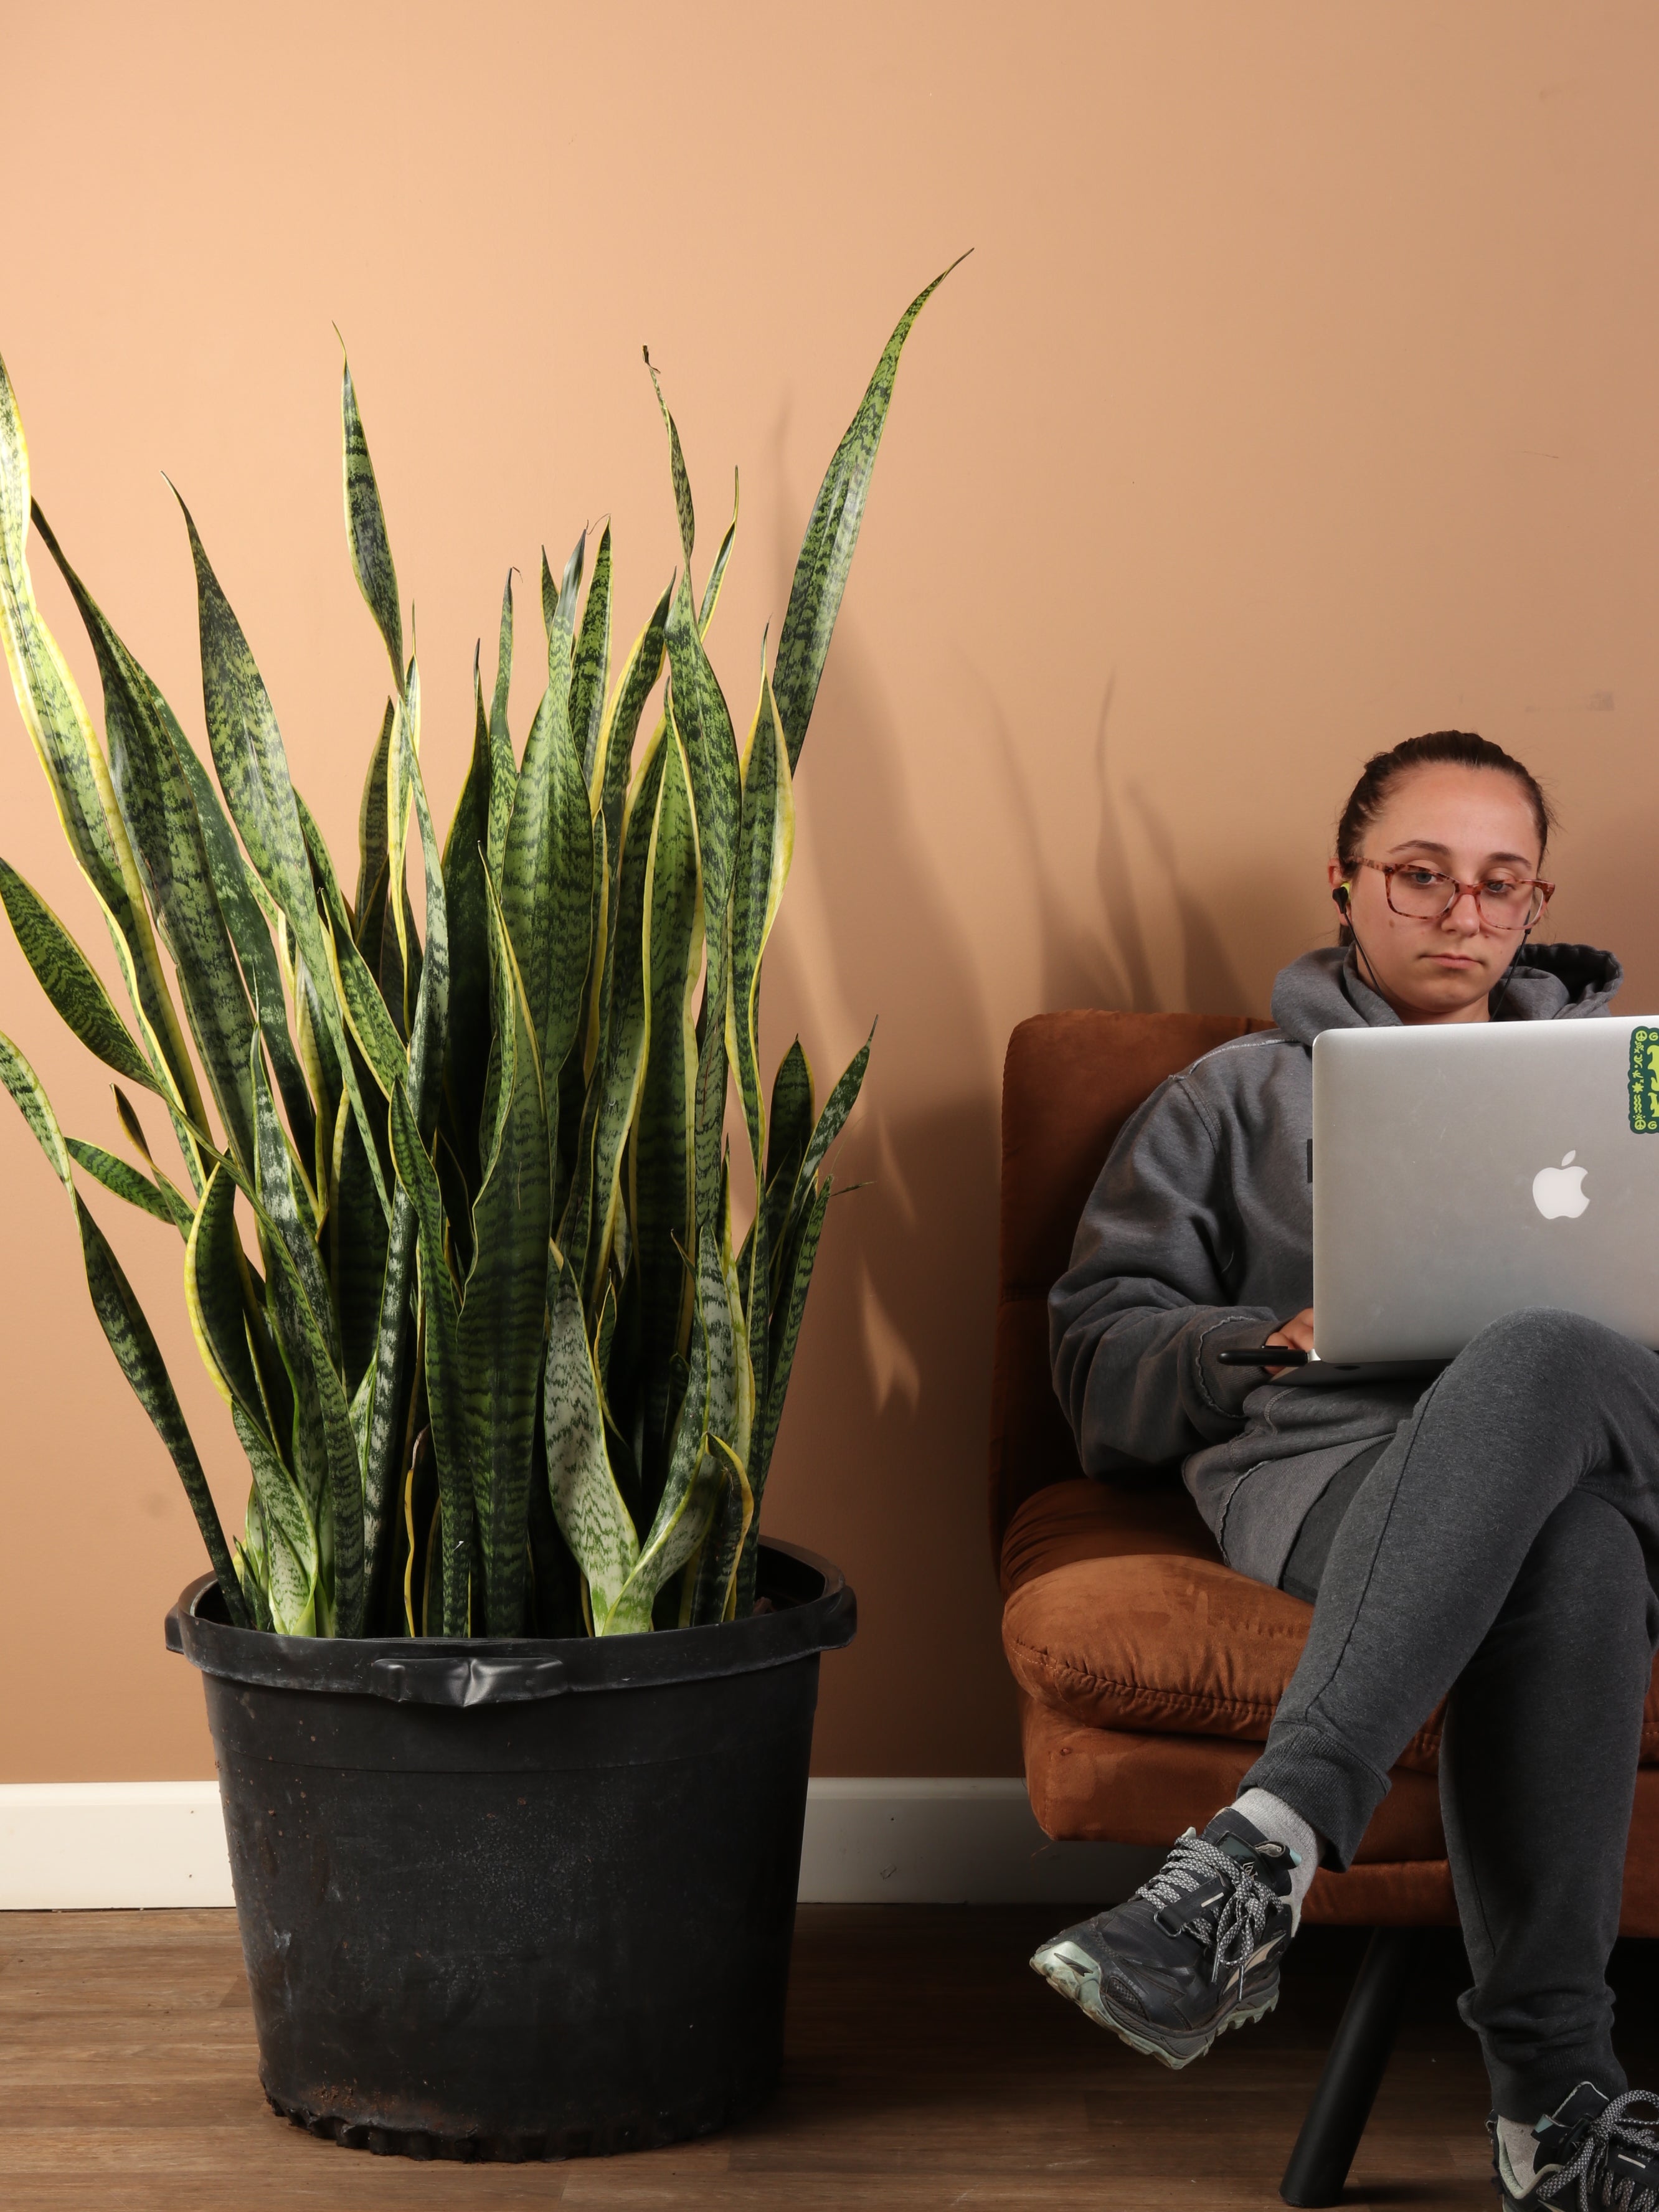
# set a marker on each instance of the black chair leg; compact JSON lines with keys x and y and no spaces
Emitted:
{"x":1353,"y":2071}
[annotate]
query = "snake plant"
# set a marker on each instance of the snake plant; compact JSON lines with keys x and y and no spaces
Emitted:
{"x":455,"y":1207}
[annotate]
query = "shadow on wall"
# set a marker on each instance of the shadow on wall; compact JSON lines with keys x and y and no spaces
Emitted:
{"x":1101,"y":958}
{"x":882,"y":1454}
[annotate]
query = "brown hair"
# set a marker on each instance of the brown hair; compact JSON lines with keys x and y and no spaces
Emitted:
{"x":1439,"y":747}
{"x":1454,"y":748}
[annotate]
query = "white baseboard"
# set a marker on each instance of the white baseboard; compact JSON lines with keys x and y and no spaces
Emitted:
{"x":70,"y":1846}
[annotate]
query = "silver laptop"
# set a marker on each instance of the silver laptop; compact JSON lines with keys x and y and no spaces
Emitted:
{"x":1463,"y":1172}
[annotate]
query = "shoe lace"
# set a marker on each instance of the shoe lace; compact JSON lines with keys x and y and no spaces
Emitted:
{"x":1234,"y":1928}
{"x":1599,"y":2189}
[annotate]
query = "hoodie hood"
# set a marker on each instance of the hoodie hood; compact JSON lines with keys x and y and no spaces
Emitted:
{"x":1324,"y":990}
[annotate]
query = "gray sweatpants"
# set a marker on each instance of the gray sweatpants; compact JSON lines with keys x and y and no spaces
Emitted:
{"x":1503,"y":1551}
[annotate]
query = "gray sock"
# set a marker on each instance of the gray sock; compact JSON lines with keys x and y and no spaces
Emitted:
{"x":1520,"y":2152}
{"x":1283,"y":1824}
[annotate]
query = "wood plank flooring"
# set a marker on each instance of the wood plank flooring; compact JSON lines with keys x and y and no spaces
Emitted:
{"x":926,"y":2067}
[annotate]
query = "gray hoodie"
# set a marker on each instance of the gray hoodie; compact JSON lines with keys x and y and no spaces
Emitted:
{"x":1199,"y":1237}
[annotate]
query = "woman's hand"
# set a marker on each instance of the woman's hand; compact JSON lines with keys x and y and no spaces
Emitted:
{"x":1298,"y":1333}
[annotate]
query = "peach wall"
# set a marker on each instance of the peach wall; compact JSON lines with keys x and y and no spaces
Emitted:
{"x":1300,"y":395}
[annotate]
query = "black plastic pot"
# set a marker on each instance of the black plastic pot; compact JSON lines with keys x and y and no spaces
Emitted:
{"x":520,"y":1898}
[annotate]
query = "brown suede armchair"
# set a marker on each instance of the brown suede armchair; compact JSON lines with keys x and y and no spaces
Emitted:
{"x":1148,"y":1671}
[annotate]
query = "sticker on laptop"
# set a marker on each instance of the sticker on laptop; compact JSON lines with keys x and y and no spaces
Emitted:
{"x":1645,"y":1081}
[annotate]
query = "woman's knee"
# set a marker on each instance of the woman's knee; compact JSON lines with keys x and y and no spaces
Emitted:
{"x":1539,"y":1348}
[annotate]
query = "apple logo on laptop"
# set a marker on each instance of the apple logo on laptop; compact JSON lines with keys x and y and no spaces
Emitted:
{"x":1558,"y":1191}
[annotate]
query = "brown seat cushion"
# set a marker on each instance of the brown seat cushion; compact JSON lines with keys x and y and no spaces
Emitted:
{"x":1120,"y":1615}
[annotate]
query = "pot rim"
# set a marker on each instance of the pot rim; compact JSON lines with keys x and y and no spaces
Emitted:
{"x":819,"y":1612}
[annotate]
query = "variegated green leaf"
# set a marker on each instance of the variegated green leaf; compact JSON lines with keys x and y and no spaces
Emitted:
{"x":447,"y":1396}
{"x":159,"y":812}
{"x":613,"y":759}
{"x":590,"y":666}
{"x":238,"y":892}
{"x":123,"y":1181}
{"x":69,"y":979}
{"x":592,"y":1516}
{"x":546,"y":882}
{"x":371,"y":549}
{"x":78,"y":775}
{"x":559,"y":607}
{"x":291,"y":1549}
{"x":796,"y":1281}
{"x":837,"y":1107}
{"x":305,"y":1321}
{"x":676,"y":469}
{"x":711,"y":590}
{"x":372,"y":815}
{"x":788,"y":1132}
{"x":253,"y":774}
{"x":180,"y":1209}
{"x":766,"y":845}
{"x":589,"y":1223}
{"x":660,"y":1160}
{"x":503,"y":1313}
{"x":466,"y":873}
{"x":733,"y":1516}
{"x":129,"y":1333}
{"x":504,"y":768}
{"x":832,"y":533}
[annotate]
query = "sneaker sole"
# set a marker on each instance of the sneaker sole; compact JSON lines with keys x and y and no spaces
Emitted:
{"x":1077,"y":1978}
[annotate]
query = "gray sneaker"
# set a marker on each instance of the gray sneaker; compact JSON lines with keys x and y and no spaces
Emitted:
{"x":1603,"y":2145}
{"x":1194,"y":1952}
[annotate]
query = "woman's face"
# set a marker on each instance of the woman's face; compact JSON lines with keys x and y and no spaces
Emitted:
{"x":1469,"y":822}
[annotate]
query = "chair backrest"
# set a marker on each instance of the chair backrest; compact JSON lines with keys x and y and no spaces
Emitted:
{"x":1069,"y":1084}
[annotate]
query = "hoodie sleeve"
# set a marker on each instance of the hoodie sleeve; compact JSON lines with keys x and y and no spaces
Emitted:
{"x":1136,"y":1321}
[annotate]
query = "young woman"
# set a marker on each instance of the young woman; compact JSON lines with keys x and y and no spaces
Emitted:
{"x":1493,"y":1539}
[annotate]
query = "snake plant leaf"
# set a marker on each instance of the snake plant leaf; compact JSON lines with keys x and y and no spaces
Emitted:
{"x":504,"y":768}
{"x":837,"y":1107}
{"x":238,"y":892}
{"x":56,"y":719}
{"x":680,"y":1527}
{"x":587,"y":1503}
{"x":180,"y":1212}
{"x":797,"y":1278}
{"x":372,"y":847}
{"x":129,"y":1333}
{"x":730,"y":1521}
{"x":465,"y":874}
{"x":123,"y":1181}
{"x":371,"y":549}
{"x":738,"y":1425}
{"x":307,"y":1327}
{"x":69,"y":979}
{"x":159,"y":812}
{"x":379,"y":1405}
{"x":608,"y":785}
{"x":447,"y":1396}
{"x":789,"y":1125}
{"x":714,"y":1307}
{"x":216,"y":1298}
{"x":832,"y":534}
{"x":503,"y":1312}
{"x":559,"y":605}
{"x":252,"y":1568}
{"x":711,"y":590}
{"x":698,"y":710}
{"x":547,"y":884}
{"x":661,"y":1194}
{"x":614,"y":1093}
{"x":357,"y":1236}
{"x":705,"y":728}
{"x":291,"y":1550}
{"x":370,"y":1023}
{"x":253,"y":769}
{"x":590,"y":666}
{"x":766,"y":844}
{"x":429,"y":1030}
{"x":676,"y":468}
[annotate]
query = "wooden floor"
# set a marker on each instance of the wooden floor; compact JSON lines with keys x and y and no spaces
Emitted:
{"x":926,"y":2067}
